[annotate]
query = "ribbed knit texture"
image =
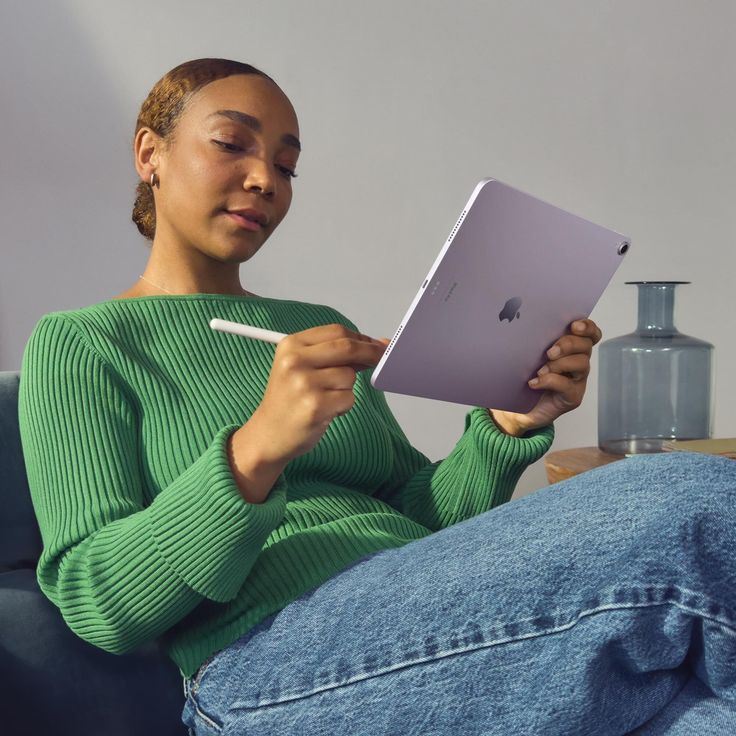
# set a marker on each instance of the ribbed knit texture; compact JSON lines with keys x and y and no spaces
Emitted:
{"x":125,"y":408}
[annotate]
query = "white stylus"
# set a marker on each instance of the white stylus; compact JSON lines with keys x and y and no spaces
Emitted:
{"x":257,"y":333}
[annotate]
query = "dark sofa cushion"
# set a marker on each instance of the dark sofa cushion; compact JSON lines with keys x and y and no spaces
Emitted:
{"x":54,"y":682}
{"x":20,"y":540}
{"x":51,"y":681}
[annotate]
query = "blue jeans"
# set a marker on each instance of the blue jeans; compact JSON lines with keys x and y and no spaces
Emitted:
{"x":602,"y":605}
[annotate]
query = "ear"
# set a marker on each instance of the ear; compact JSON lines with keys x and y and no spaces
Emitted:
{"x":147,"y":148}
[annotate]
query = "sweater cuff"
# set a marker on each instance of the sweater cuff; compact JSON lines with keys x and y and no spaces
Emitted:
{"x":508,"y":454}
{"x":481,"y":419}
{"x":204,"y":528}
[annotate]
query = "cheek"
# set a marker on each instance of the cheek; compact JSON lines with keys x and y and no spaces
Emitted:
{"x":286,"y":202}
{"x":196,"y":179}
{"x":205,"y":178}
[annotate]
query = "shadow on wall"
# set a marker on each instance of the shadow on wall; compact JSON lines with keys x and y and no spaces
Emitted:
{"x":63,"y":131}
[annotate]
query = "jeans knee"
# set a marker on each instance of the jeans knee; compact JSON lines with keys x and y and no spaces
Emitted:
{"x":686,"y":469}
{"x":685,"y":485}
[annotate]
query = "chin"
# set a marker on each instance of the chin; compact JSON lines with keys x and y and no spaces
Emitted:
{"x":241,"y":252}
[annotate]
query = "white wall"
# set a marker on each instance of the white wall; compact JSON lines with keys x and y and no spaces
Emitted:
{"x":622,"y":112}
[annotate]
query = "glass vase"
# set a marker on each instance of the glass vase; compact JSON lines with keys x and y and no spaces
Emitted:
{"x":654,"y":384}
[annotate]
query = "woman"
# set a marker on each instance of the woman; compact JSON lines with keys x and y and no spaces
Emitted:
{"x":260,"y":511}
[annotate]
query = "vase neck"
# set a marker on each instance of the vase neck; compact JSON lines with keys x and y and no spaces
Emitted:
{"x":656,"y":309}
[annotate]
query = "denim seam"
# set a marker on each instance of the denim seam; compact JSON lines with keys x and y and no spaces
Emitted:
{"x":199,"y":674}
{"x":444,"y":654}
{"x":204,"y":716}
{"x":194,"y":684}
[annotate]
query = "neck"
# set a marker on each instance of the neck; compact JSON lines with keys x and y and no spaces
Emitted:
{"x":163,"y":287}
{"x":187,"y":270}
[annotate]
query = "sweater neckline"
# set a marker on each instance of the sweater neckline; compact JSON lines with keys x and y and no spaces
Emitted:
{"x":199,"y":296}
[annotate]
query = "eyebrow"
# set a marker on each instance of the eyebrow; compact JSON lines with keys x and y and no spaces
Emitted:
{"x":255,"y":125}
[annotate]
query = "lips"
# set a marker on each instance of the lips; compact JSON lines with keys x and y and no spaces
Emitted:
{"x":250,"y":215}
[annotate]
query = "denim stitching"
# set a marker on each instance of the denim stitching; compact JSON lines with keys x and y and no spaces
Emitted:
{"x":204,"y":716}
{"x":194,"y":684}
{"x":443,"y":654}
{"x":197,"y":679}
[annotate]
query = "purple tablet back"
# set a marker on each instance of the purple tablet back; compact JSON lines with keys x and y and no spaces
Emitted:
{"x":513,"y":274}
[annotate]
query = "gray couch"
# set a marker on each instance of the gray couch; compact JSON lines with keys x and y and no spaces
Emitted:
{"x":51,"y":680}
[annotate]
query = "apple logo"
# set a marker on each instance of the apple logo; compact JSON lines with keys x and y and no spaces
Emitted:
{"x":510,"y":310}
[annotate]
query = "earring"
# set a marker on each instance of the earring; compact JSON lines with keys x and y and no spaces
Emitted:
{"x":154,"y":180}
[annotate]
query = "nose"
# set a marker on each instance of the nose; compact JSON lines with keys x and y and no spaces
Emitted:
{"x":259,"y":178}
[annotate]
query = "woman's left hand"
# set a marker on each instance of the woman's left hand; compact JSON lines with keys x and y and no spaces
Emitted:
{"x":561,"y":380}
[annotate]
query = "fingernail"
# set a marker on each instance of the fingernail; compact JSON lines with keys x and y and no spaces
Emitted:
{"x":579,"y":326}
{"x":534,"y":382}
{"x":554,"y":352}
{"x":543,"y":370}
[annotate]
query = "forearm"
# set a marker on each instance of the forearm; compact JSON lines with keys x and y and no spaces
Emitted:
{"x":485,"y":466}
{"x":480,"y":473}
{"x":117,"y":602}
{"x":253,"y":471}
{"x":509,"y":422}
{"x":196,"y":539}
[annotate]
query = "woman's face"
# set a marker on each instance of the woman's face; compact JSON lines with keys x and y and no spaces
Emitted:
{"x":225,"y":176}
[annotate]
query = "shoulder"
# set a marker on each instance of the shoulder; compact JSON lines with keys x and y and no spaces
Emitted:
{"x":61,"y":320}
{"x":51,"y":323}
{"x":71,"y":332}
{"x":54,"y":333}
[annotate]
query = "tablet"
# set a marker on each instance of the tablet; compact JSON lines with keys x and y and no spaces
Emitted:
{"x":512,"y":275}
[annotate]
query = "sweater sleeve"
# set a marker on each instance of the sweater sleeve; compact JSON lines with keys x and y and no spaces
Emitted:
{"x":122,"y":569}
{"x":480,"y":472}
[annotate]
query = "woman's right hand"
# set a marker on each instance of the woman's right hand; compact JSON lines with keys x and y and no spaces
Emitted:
{"x":311,"y":383}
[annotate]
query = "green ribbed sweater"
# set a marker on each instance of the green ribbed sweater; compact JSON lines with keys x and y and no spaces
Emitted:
{"x":125,"y":407}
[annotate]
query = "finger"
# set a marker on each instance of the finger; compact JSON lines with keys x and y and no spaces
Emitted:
{"x":587,"y":328}
{"x":335,"y":379}
{"x":344,"y":351}
{"x":570,"y":345}
{"x":341,"y":402}
{"x":329,"y":333}
{"x":576,"y":367}
{"x":568,"y":391}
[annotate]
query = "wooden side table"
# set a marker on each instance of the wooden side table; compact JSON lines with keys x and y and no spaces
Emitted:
{"x":563,"y":464}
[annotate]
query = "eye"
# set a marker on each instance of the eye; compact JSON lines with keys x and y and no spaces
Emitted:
{"x":229,"y":147}
{"x":287,"y":172}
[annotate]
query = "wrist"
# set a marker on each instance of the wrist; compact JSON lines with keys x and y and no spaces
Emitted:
{"x":515,"y":425}
{"x":253,"y":472}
